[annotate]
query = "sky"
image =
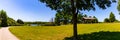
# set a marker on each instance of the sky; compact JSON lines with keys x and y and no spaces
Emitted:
{"x":33,"y":10}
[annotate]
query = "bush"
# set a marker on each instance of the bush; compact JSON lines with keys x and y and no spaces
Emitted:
{"x":20,"y":21}
{"x":106,"y":20}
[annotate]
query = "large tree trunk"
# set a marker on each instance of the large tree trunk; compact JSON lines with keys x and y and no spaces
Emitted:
{"x":74,"y":20}
{"x":75,"y":26}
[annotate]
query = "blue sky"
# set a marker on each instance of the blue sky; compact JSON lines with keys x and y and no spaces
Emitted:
{"x":33,"y":10}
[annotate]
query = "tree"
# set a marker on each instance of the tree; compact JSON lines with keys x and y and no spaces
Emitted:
{"x":85,"y":15}
{"x":106,"y":20}
{"x":79,"y":17}
{"x":20,"y":21}
{"x":75,"y":6}
{"x":112,"y":17}
{"x":3,"y":18}
{"x":57,"y":21}
{"x":62,"y":17}
{"x":58,"y":17}
{"x":11,"y":22}
{"x":65,"y":18}
{"x":96,"y":20}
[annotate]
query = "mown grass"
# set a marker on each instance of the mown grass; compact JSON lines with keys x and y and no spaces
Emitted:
{"x":60,"y":32}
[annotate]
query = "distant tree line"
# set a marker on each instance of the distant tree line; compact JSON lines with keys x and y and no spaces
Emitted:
{"x":39,"y":23}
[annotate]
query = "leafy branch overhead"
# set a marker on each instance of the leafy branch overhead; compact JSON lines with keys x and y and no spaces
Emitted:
{"x":65,"y":5}
{"x":118,"y":7}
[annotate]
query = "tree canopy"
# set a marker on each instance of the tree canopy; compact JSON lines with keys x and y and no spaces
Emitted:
{"x":62,"y":18}
{"x":3,"y":18}
{"x":11,"y":22}
{"x":20,"y":21}
{"x":106,"y":20}
{"x":112,"y":17}
{"x":65,"y":5}
{"x":96,"y":20}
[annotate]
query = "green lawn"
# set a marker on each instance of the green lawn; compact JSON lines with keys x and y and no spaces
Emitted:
{"x":60,"y":32}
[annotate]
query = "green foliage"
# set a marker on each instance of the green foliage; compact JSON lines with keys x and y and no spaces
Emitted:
{"x":49,"y":24}
{"x":80,"y":4}
{"x":62,"y":17}
{"x":12,"y":22}
{"x":58,"y":18}
{"x":3,"y":18}
{"x":79,"y":17}
{"x":39,"y":23}
{"x":85,"y":15}
{"x":20,"y":21}
{"x":7,"y":21}
{"x":118,"y":7}
{"x":96,"y":20}
{"x":106,"y":20}
{"x":117,"y":21}
{"x":112,"y":17}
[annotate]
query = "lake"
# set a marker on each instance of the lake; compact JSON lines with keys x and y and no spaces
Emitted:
{"x":34,"y":24}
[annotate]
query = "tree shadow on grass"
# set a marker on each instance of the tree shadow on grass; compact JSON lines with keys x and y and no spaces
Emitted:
{"x":98,"y":36}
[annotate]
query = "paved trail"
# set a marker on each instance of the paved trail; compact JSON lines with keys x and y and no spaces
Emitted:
{"x":5,"y":34}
